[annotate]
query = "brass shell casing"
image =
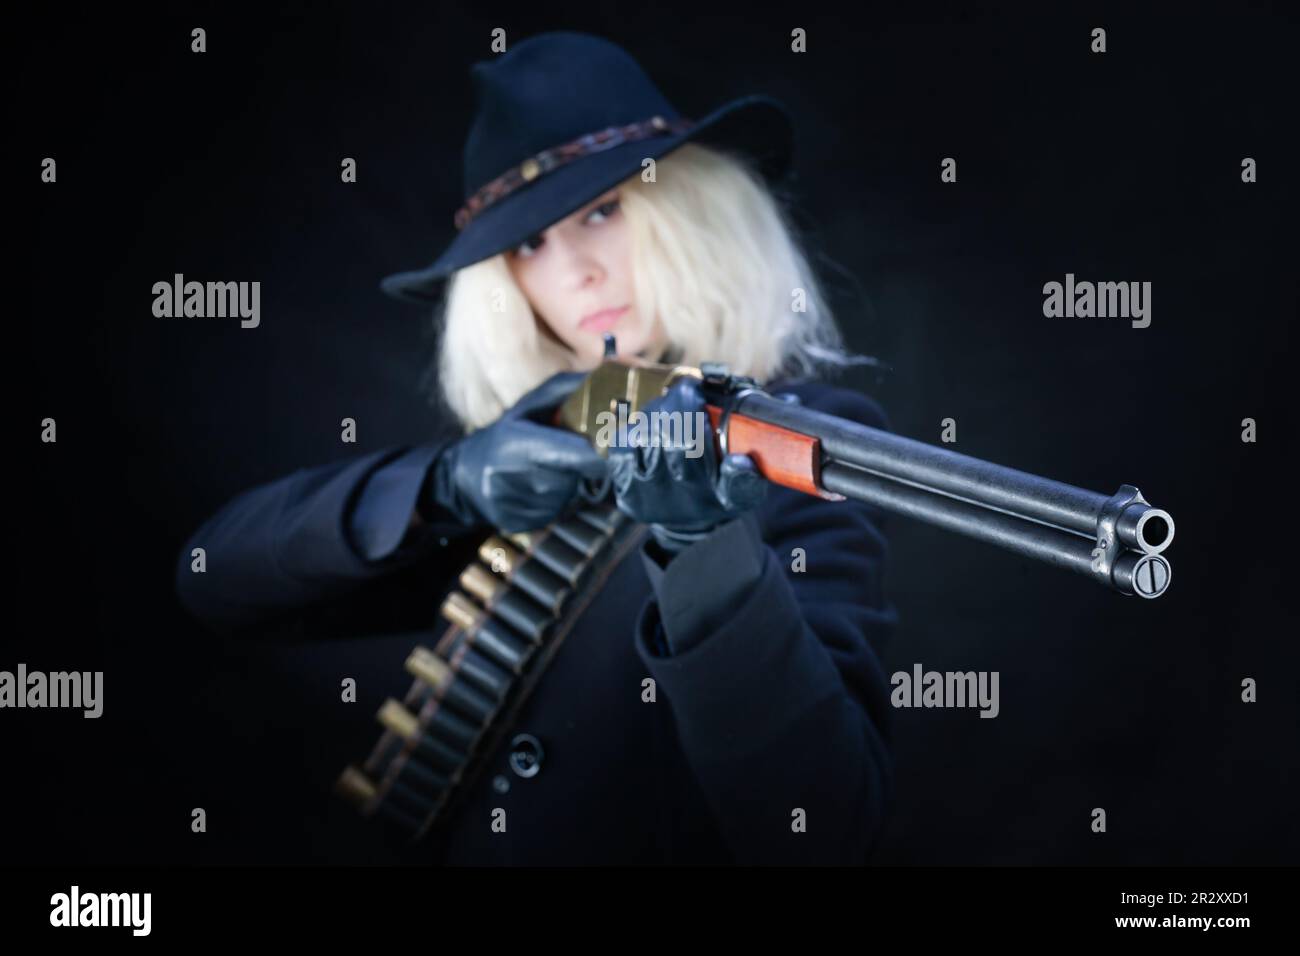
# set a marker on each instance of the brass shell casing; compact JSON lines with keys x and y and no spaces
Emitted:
{"x":398,"y":719}
{"x":427,"y":666}
{"x":481,"y":583}
{"x":355,"y":787}
{"x":495,"y":550}
{"x":461,"y":611}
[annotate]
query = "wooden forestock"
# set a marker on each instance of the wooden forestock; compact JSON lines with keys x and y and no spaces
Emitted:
{"x":783,"y":457}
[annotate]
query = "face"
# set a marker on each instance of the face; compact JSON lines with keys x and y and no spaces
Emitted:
{"x":577,"y":275}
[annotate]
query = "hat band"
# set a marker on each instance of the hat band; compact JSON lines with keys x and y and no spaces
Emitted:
{"x":557,"y":156}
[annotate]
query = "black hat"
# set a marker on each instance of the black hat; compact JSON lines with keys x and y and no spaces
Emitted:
{"x":563,"y":117}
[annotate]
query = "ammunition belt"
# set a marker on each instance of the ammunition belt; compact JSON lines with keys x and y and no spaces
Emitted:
{"x":525,"y":593}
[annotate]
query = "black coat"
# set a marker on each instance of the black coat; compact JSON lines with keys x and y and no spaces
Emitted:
{"x":774,"y":698}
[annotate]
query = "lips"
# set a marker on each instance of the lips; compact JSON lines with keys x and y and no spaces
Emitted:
{"x":602,"y":320}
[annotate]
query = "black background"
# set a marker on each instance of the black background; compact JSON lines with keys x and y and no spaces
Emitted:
{"x":225,"y":165}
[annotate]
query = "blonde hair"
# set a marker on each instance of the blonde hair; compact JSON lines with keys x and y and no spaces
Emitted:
{"x":714,"y":258}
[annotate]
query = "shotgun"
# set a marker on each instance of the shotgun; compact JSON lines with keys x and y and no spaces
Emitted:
{"x":1117,"y":540}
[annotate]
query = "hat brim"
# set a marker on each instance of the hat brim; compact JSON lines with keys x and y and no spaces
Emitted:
{"x":757,"y":126}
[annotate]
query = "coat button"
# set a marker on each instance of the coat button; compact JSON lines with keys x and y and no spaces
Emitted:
{"x":526,"y":755}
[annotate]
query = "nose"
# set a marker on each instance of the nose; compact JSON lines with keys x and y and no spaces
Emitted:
{"x":582,"y":267}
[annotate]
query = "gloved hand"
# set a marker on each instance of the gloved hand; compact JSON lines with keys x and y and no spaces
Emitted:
{"x":519,"y":473}
{"x":681,"y":497}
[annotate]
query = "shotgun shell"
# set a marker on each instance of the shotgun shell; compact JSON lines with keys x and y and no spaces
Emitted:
{"x":531,"y":577}
{"x":473,"y":671}
{"x":407,"y":726}
{"x":553,"y":554}
{"x":492,"y":637}
{"x":506,"y":603}
{"x":580,"y":536}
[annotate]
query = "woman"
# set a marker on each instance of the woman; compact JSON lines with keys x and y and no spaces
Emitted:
{"x":758,"y":612}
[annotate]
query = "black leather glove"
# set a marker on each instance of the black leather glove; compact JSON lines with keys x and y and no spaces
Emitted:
{"x":682,"y":497}
{"x":520,"y":472}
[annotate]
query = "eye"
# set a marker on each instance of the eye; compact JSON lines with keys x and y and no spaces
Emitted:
{"x":604,"y":210}
{"x":529,"y":246}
